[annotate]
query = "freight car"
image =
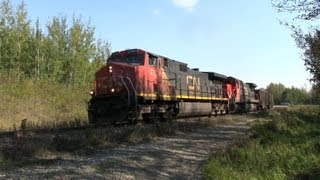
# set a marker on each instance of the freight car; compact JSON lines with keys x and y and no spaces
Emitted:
{"x":265,"y":99}
{"x":138,"y":85}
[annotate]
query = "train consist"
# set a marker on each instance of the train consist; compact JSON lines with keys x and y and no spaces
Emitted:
{"x":136,"y":85}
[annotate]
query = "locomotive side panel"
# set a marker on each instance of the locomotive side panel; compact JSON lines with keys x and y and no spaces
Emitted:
{"x":218,"y":93}
{"x":167,"y":81}
{"x":195,"y":86}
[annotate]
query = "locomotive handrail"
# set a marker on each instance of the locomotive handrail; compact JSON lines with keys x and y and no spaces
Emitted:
{"x":125,"y":85}
{"x":134,"y":89}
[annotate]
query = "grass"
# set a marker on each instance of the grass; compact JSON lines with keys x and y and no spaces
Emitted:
{"x":288,"y":146}
{"x":2,"y":160}
{"x":44,"y":104}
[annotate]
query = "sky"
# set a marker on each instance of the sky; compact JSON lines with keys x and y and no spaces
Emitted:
{"x":242,"y":38}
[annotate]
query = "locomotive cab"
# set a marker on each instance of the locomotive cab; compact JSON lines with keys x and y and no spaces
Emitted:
{"x":129,"y":78}
{"x":115,"y":87}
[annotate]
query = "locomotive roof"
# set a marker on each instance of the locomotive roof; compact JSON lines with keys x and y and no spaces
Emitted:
{"x":153,"y":54}
{"x":214,"y":75}
{"x":252,"y":85}
{"x":232,"y":78}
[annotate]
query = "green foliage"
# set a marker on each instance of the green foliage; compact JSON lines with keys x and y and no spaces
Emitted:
{"x":310,"y":44}
{"x":292,"y":95}
{"x":286,"y":147}
{"x":295,"y":96}
{"x":276,"y":90}
{"x":2,"y":161}
{"x":305,"y":9}
{"x":315,"y":94}
{"x":68,"y":53}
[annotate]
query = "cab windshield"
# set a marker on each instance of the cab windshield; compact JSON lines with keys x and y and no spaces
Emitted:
{"x":133,"y":60}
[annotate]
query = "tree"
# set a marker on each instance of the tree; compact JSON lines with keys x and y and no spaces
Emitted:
{"x":311,"y":45}
{"x":6,"y":40}
{"x":276,"y":90}
{"x":68,"y":52}
{"x":38,"y":45}
{"x":295,"y":96}
{"x":291,"y":95}
{"x":314,"y":94}
{"x":22,"y":31}
{"x":15,"y":59}
{"x":310,"y":42}
{"x":73,"y":53}
{"x":56,"y":49}
{"x":305,"y":9}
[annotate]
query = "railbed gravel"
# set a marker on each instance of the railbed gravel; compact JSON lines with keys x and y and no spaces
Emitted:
{"x":174,"y":157}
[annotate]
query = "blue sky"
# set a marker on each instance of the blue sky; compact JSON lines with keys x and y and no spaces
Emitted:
{"x":240,"y":38}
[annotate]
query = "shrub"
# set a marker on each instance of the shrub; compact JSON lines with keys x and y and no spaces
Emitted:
{"x":285,"y":147}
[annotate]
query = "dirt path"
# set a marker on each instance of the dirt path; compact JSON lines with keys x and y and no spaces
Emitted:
{"x":178,"y":157}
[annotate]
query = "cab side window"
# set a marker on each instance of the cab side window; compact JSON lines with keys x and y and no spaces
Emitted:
{"x":165,"y":62}
{"x":153,"y":60}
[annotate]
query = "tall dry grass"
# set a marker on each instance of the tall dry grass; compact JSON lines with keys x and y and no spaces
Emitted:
{"x":42,"y":103}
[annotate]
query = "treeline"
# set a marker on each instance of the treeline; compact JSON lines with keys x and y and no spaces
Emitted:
{"x":292,"y":95}
{"x":64,"y":51}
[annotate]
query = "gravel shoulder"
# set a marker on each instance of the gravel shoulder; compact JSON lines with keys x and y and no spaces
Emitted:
{"x":176,"y":157}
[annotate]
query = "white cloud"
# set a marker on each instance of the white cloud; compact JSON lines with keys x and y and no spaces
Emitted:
{"x":186,"y":4}
{"x":156,"y":12}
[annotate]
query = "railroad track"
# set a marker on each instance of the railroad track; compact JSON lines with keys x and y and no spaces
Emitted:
{"x":51,"y":130}
{"x":25,"y":130}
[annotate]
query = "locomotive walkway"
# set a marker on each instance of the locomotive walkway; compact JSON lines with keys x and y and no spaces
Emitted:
{"x":177,"y":157}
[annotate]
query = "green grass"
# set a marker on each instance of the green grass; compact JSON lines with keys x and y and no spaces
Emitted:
{"x":43,"y":103}
{"x":2,"y":161}
{"x":288,"y":146}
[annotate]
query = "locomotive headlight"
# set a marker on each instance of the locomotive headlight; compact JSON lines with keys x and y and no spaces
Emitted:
{"x":91,"y":92}
{"x":112,"y":90}
{"x":110,"y":69}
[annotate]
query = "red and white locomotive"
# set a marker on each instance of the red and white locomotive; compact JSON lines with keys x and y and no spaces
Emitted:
{"x":137,"y":85}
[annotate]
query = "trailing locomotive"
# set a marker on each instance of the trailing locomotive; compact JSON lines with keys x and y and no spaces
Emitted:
{"x":137,"y":85}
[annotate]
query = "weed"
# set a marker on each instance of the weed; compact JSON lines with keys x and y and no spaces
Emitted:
{"x":285,"y":147}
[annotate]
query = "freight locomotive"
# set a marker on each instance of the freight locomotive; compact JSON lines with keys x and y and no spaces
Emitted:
{"x":136,"y":85}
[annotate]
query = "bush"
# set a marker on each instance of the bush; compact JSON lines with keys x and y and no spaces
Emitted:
{"x":285,"y":147}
